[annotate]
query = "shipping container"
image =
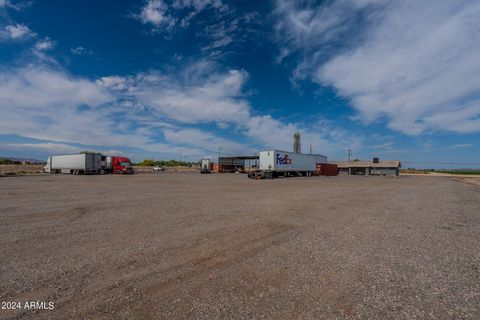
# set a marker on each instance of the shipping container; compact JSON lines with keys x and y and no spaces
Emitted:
{"x":327,"y":169}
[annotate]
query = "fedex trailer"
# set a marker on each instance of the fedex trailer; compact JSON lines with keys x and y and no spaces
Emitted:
{"x":275,"y":163}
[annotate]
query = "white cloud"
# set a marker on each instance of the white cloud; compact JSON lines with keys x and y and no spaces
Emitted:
{"x":419,"y":68}
{"x":16,"y":32}
{"x":44,"y":103}
{"x":206,"y":141}
{"x":304,"y":26}
{"x":155,"y":12}
{"x":414,"y":64}
{"x":461,"y":145}
{"x":324,"y":136}
{"x":16,"y":5}
{"x":386,"y":146}
{"x":179,"y":13}
{"x":46,"y":146}
{"x":198,"y":94}
{"x":81,"y":51}
{"x":198,"y":5}
{"x":58,"y":148}
{"x":45,"y":44}
{"x":114,"y":82}
{"x":43,"y":87}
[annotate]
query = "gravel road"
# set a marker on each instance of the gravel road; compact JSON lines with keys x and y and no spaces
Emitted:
{"x":221,"y":246}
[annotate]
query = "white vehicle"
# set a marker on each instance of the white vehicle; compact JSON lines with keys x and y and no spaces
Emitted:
{"x":159,"y":168}
{"x":275,"y":163}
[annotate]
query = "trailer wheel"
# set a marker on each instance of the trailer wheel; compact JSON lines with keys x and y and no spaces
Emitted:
{"x":249,"y":175}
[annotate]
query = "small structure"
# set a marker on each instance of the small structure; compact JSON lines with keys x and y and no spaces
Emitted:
{"x":376,"y":167}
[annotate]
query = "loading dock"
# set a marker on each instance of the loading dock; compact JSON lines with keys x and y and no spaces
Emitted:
{"x":236,"y":164}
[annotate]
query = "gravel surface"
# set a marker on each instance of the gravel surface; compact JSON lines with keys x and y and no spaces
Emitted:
{"x":222,"y":246}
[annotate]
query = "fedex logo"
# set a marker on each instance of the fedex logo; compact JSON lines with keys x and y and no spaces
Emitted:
{"x":283,"y":160}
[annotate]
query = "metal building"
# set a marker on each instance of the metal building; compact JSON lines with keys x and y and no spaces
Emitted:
{"x":237,"y":164}
{"x":376,"y":167}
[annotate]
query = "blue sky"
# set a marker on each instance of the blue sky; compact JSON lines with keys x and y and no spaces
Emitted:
{"x":157,"y":78}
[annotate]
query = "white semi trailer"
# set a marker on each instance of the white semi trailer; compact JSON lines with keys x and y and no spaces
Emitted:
{"x":205,"y":166}
{"x":276,"y":163}
{"x":83,"y":163}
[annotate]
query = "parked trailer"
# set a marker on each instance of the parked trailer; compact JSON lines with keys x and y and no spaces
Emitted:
{"x":84,"y":163}
{"x":275,"y":163}
{"x":88,"y":163}
{"x":206,"y":166}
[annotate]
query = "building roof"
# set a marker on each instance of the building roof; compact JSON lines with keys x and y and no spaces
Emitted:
{"x":235,"y":161}
{"x":366,"y":163}
{"x":241,"y":157}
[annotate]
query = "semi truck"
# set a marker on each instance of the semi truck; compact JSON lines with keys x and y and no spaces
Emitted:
{"x":274,"y":163}
{"x":118,"y":164}
{"x":206,"y":166}
{"x":87,"y":163}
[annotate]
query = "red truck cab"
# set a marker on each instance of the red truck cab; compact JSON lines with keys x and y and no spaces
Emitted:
{"x":122,"y":165}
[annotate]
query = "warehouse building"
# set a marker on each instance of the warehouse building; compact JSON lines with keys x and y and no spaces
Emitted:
{"x":376,"y":167}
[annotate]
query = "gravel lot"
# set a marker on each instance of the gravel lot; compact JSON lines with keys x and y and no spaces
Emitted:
{"x":221,"y":246}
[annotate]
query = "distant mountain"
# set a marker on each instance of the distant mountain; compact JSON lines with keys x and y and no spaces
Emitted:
{"x":23,"y":159}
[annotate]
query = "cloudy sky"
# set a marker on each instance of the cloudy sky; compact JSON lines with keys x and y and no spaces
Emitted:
{"x":158,"y":78}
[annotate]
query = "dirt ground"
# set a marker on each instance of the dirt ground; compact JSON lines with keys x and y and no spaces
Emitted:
{"x":472,"y":180}
{"x":6,"y":169}
{"x":221,"y":246}
{"x":37,"y":169}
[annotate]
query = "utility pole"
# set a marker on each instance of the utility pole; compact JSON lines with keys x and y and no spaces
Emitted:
{"x":219,"y":148}
{"x":310,"y":148}
{"x":349,"y":154}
